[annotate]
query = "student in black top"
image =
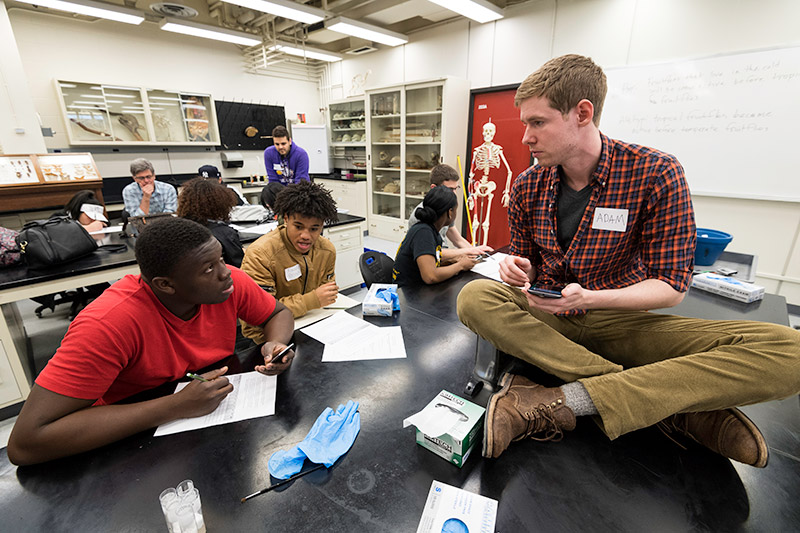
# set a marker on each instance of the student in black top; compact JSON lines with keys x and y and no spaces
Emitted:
{"x":419,"y":257}
{"x":207,"y":202}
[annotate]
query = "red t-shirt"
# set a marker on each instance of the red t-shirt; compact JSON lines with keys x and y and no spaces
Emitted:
{"x":126,"y":341}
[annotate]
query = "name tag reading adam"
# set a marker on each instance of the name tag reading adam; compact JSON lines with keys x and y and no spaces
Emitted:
{"x":610,"y":219}
{"x":293,"y":272}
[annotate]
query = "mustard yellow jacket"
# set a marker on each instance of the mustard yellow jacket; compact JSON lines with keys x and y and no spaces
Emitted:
{"x":272,"y":259}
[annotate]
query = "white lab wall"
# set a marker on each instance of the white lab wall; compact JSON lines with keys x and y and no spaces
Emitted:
{"x":53,"y":47}
{"x":618,"y":33}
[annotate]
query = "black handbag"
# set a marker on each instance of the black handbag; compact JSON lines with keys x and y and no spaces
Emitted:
{"x":55,"y":241}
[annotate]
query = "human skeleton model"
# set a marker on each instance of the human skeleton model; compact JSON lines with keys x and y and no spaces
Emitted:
{"x":481,"y":192}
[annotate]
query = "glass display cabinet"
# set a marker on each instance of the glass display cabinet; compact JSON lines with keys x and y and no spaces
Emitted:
{"x":96,"y":114}
{"x":412,"y":128}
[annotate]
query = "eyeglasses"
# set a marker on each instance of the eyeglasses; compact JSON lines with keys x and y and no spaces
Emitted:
{"x":143,"y":178}
{"x":454,"y":189}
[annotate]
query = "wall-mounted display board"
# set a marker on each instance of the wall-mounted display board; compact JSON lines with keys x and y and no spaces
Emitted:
{"x":43,"y":181}
{"x":728,"y":119}
{"x":248,"y":126}
{"x":96,"y":114}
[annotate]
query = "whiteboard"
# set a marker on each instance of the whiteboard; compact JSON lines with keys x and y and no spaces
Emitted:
{"x":732,"y":121}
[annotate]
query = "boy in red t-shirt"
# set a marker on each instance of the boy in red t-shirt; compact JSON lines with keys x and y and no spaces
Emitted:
{"x":178,"y":316}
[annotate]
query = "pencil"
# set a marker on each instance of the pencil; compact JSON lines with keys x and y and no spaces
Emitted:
{"x":281,"y":483}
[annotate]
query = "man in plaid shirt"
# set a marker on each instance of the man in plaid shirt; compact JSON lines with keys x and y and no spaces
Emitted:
{"x":609,"y":226}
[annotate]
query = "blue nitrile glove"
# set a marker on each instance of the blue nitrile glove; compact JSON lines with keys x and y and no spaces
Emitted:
{"x":330,"y":437}
{"x":284,"y":464}
{"x":332,"y":434}
{"x":389,"y":295}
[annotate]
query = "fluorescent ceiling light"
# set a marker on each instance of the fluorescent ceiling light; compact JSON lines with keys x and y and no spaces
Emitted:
{"x":365,"y":31}
{"x":310,"y":53}
{"x":284,"y":8}
{"x":477,"y":10}
{"x":208,"y":32}
{"x":92,"y":9}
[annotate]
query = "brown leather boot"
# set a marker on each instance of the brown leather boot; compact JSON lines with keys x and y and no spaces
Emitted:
{"x":523,"y":409}
{"x":728,"y":432}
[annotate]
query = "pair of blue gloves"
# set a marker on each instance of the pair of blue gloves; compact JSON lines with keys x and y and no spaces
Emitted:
{"x":330,"y":437}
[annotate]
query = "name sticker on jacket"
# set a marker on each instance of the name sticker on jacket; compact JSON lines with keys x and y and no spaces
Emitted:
{"x":293,"y":272}
{"x":610,"y":219}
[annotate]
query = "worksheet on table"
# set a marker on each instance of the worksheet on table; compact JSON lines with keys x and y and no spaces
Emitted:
{"x":315,"y":315}
{"x":348,"y":338}
{"x":490,"y":266}
{"x":253,"y":396}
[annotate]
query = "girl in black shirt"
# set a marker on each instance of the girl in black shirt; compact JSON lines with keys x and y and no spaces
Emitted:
{"x":418,"y":259}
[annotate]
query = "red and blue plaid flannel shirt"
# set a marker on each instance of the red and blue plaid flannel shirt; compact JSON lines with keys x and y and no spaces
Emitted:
{"x":659,"y":240}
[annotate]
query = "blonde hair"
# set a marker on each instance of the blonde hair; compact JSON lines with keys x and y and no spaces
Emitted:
{"x":565,"y":81}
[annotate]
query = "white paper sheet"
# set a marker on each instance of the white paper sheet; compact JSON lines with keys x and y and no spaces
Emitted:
{"x":449,"y":508}
{"x":336,"y":328}
{"x":315,"y":315}
{"x":367,"y":344}
{"x":261,"y":229}
{"x":348,"y":338}
{"x":253,"y":396}
{"x":107,"y":229}
{"x":490,"y":267}
{"x":343,"y":302}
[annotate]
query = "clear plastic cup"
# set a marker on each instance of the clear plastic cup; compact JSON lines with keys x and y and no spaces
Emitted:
{"x":182,"y":517}
{"x":168,"y":498}
{"x":183,"y":487}
{"x":192,"y":498}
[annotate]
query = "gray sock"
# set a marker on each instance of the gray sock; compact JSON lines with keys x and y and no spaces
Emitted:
{"x":577,"y":398}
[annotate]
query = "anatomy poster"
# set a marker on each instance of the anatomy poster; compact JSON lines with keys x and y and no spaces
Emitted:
{"x":496,"y":157}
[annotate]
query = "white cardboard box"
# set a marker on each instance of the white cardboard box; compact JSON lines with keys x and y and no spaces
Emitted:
{"x":374,"y":306}
{"x":728,"y":287}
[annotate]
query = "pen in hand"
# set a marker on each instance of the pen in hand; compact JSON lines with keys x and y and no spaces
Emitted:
{"x":195,"y":376}
{"x":277,"y":358}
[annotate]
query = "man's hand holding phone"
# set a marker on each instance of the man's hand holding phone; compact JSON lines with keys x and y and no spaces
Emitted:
{"x":554,"y":299}
{"x":545,"y":292}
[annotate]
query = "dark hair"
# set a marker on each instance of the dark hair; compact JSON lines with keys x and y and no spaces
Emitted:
{"x":73,"y":207}
{"x":280,"y":131}
{"x":306,"y":199}
{"x":269,"y":192}
{"x":442,"y":173}
{"x":164,"y":242}
{"x":205,"y":199}
{"x":438,"y":201}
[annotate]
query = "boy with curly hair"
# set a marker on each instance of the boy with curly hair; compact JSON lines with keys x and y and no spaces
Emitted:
{"x":294,"y":262}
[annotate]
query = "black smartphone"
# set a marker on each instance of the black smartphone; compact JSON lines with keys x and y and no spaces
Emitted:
{"x":543,"y":292}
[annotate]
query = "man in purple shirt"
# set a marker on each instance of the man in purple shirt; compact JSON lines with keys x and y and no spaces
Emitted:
{"x":286,"y":163}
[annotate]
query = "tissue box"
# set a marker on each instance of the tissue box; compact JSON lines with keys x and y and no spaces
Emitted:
{"x":457,"y":443}
{"x":728,"y":287}
{"x":375,"y":306}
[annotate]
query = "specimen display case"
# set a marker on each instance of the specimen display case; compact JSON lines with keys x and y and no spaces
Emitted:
{"x":96,"y":114}
{"x":412,"y":128}
{"x":33,"y":181}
